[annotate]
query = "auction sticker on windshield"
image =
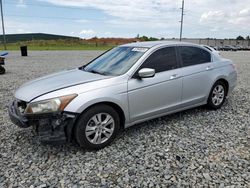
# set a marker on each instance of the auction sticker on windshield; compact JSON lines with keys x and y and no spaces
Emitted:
{"x":143,"y":50}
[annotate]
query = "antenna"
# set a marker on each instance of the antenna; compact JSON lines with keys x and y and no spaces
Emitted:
{"x":4,"y":39}
{"x":182,"y":15}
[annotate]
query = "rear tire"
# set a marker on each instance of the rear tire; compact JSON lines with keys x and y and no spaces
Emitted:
{"x":97,"y":127}
{"x":217,"y":95}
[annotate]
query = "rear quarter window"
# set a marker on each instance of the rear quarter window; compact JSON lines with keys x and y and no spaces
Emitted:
{"x":193,"y":55}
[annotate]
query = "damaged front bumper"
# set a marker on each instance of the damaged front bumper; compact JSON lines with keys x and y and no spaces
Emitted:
{"x":51,"y":128}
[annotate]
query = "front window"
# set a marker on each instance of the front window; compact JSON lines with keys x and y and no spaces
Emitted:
{"x":162,"y":60}
{"x":116,"y":61}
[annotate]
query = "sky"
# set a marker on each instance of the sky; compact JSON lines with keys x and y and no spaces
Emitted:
{"x":123,"y":18}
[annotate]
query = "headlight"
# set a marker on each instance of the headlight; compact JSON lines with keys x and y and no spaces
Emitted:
{"x":50,"y":105}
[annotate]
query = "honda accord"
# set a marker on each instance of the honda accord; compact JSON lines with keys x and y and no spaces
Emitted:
{"x":122,"y":87}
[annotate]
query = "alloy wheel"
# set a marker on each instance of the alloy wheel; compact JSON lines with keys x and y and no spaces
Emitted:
{"x":218,"y":95}
{"x":100,"y":128}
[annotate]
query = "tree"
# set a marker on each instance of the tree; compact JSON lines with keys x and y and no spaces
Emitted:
{"x":248,"y":38}
{"x":240,"y":38}
{"x":153,"y":39}
{"x":145,"y":38}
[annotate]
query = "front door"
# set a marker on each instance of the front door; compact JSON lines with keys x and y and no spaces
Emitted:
{"x":154,"y":96}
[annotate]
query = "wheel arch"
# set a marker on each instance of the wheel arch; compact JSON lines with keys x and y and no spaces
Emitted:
{"x":114,"y":105}
{"x":118,"y":108}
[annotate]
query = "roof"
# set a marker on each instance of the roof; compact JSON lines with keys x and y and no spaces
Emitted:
{"x":154,"y":43}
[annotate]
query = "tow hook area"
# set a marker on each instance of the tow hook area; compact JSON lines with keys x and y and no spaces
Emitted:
{"x":56,"y":129}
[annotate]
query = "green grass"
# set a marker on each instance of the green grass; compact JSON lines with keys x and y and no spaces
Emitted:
{"x":58,"y":45}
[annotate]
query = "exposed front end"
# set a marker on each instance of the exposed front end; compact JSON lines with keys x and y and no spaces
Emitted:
{"x":51,"y":127}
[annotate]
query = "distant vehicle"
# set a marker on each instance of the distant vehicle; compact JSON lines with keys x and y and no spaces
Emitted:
{"x":212,"y":49}
{"x":217,"y":48}
{"x":124,"y":86}
{"x":238,"y":47}
{"x":228,"y":48}
{"x":247,"y":48}
{"x":2,"y":62}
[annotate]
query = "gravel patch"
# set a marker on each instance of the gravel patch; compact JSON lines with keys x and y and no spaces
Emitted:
{"x":195,"y":148}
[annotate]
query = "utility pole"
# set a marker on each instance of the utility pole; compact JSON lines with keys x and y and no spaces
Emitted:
{"x":4,"y":39}
{"x":182,"y":15}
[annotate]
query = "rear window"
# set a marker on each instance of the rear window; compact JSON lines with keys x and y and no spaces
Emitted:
{"x":193,"y":55}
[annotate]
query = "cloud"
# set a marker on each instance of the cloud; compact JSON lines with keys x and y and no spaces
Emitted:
{"x":157,"y":12}
{"x":214,"y":16}
{"x":108,"y":33}
{"x":230,"y":19}
{"x":20,"y":30}
{"x":87,"y":32}
{"x":15,"y":26}
{"x":150,"y":17}
{"x":245,"y":12}
{"x":82,"y":21}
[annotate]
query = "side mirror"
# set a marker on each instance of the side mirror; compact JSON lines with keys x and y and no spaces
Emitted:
{"x":146,"y":73}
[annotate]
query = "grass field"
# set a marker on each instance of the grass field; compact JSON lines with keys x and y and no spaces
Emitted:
{"x":58,"y":45}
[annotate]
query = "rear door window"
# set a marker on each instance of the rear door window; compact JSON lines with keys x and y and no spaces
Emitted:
{"x":193,"y":55}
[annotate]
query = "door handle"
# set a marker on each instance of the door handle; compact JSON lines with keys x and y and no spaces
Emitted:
{"x":209,"y":68}
{"x":174,"y":76}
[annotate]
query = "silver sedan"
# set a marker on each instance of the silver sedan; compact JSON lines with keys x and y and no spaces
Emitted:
{"x":124,"y":86}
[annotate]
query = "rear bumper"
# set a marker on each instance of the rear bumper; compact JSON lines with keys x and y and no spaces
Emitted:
{"x":52,"y":128}
{"x":232,"y":82}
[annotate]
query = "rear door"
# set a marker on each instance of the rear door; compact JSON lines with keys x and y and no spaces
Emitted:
{"x":153,"y":96}
{"x":197,"y":67}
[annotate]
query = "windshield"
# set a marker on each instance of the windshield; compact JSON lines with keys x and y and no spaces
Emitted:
{"x":116,"y":61}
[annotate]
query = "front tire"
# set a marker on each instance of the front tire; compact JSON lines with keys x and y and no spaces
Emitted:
{"x":217,"y":95}
{"x":97,"y":127}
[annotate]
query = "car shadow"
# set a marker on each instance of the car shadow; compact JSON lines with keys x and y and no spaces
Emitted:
{"x":168,"y":118}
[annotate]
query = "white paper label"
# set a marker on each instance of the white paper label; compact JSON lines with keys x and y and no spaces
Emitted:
{"x":143,"y":50}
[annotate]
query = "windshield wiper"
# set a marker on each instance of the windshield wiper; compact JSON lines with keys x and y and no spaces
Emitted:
{"x":95,"y":72}
{"x":92,"y":71}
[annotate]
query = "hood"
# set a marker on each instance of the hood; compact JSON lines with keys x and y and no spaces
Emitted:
{"x":53,"y":82}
